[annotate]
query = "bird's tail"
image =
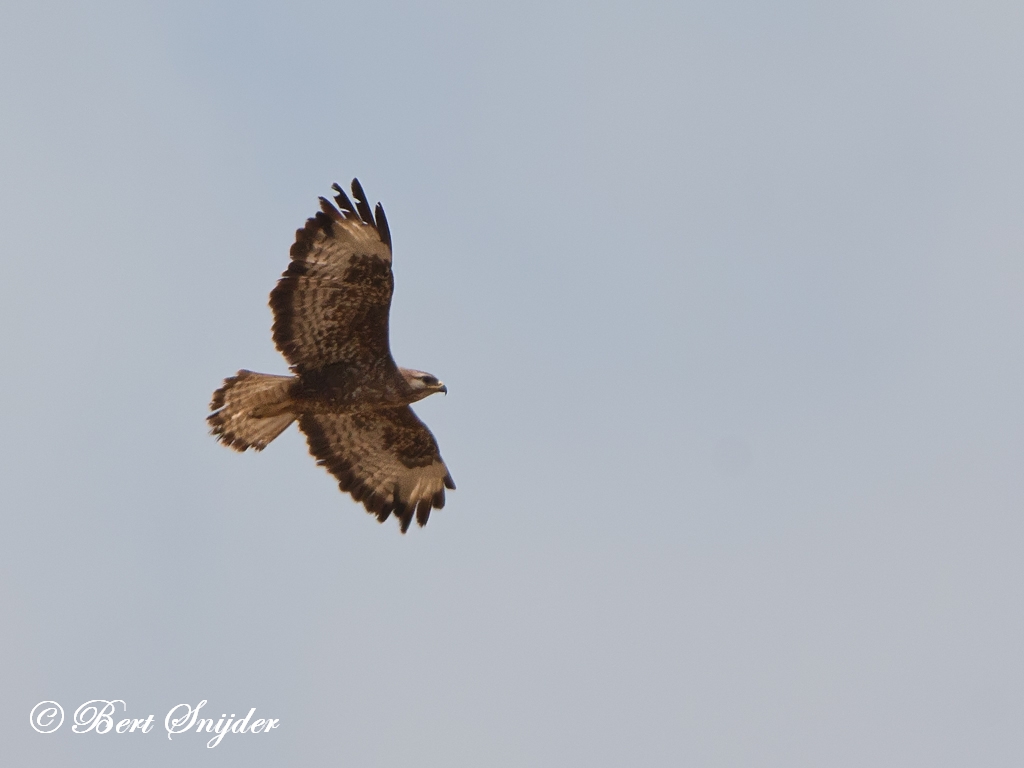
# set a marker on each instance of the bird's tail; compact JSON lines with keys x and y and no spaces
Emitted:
{"x":251,"y":409}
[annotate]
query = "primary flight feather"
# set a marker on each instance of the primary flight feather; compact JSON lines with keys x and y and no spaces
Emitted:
{"x":349,"y":397}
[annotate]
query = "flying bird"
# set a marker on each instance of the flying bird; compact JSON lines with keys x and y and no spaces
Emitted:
{"x":349,"y":397}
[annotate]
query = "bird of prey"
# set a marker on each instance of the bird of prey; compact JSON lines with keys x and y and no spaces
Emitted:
{"x":349,"y":397}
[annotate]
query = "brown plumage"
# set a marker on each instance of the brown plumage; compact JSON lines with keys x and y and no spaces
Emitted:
{"x":350,"y":398}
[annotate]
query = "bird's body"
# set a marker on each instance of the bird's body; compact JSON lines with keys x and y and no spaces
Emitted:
{"x":349,"y":397}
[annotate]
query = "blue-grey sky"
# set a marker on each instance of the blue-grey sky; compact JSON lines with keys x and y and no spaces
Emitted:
{"x":728,"y":297}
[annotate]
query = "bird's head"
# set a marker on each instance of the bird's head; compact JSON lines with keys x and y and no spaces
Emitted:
{"x":422,"y":384}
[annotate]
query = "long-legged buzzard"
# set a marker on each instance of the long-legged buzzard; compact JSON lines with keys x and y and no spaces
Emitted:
{"x":350,"y":398}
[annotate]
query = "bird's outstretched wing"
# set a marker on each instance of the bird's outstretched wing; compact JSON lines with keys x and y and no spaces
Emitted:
{"x":331,"y":305}
{"x":387,"y":459}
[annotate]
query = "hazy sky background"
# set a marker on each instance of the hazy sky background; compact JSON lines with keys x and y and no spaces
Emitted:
{"x":728,"y":297}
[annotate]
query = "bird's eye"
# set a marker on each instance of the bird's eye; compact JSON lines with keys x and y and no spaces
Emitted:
{"x":430,"y":380}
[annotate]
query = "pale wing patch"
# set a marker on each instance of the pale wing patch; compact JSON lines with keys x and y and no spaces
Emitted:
{"x":331,"y":251}
{"x":420,"y":482}
{"x":386,"y":459}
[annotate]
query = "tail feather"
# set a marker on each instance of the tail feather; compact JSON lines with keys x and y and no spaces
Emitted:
{"x":251,"y":409}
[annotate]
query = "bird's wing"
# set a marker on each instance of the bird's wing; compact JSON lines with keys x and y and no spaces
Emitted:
{"x":387,"y":459}
{"x":331,"y":305}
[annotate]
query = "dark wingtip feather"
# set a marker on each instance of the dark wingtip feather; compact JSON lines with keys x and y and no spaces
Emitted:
{"x":448,"y":482}
{"x":382,"y":225}
{"x":361,"y":205}
{"x":422,"y":512}
{"x":404,"y":514}
{"x":385,"y":510}
{"x":327,"y":207}
{"x":343,"y":202}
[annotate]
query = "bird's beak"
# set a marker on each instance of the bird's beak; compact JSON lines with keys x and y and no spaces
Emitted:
{"x":443,"y":388}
